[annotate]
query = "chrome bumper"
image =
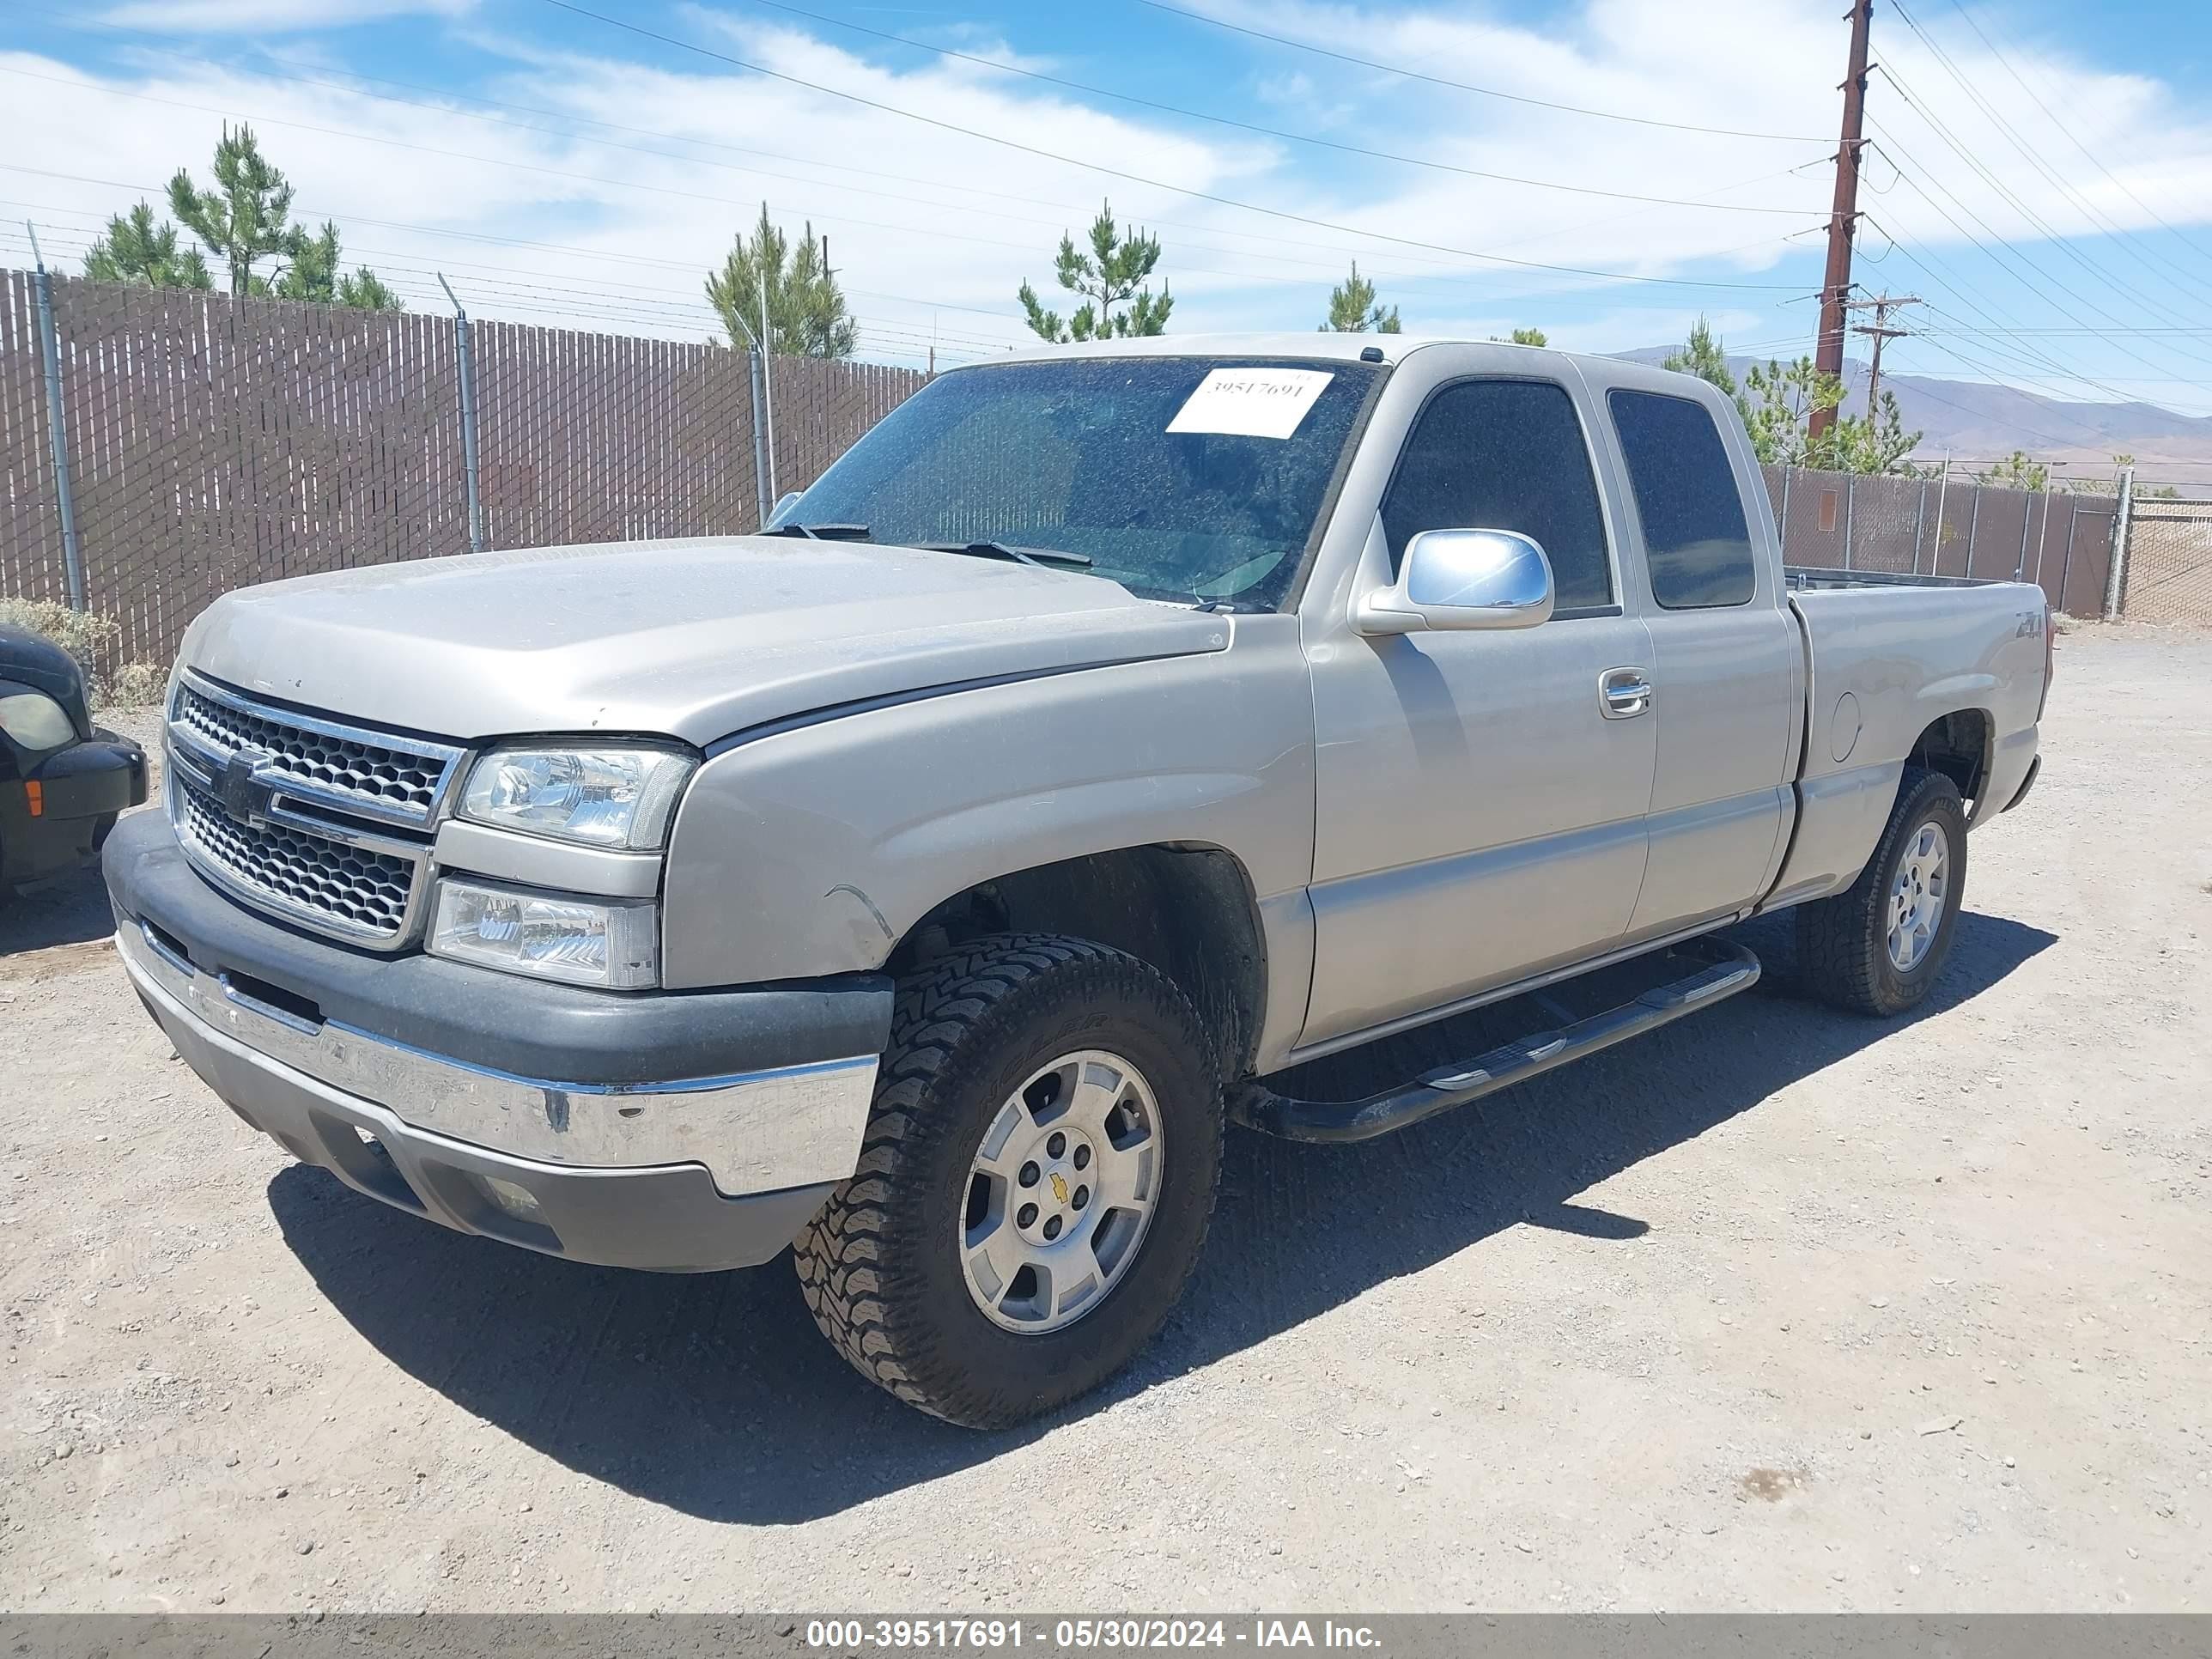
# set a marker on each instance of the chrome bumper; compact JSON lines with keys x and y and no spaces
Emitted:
{"x":758,"y":1133}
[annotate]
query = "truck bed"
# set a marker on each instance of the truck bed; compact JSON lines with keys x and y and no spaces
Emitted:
{"x":1884,"y":654}
{"x":1805,"y":578}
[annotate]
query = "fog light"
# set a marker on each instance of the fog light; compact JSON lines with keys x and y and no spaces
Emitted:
{"x":512,"y":1199}
{"x":608,"y":942}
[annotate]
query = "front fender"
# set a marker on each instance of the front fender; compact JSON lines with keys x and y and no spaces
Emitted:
{"x":813,"y":849}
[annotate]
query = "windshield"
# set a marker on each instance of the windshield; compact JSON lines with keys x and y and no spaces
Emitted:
{"x":1180,"y":477}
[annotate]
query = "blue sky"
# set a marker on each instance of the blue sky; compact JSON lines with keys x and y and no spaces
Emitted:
{"x":562,"y":170}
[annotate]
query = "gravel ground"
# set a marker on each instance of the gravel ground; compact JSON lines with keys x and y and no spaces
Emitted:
{"x":1775,"y":1309}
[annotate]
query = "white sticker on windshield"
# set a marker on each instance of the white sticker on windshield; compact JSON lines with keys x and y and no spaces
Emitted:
{"x":1251,"y":403}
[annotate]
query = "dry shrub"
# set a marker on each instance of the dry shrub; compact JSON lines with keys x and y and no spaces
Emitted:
{"x":93,"y":639}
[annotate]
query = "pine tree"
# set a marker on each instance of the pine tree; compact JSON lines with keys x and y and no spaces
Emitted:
{"x":364,"y":290}
{"x":1779,"y":404}
{"x":246,"y":218}
{"x":2017,"y":471}
{"x":1112,"y":273}
{"x":136,"y":250}
{"x":1528,"y":336}
{"x":314,"y":275}
{"x":806,"y":313}
{"x":1353,"y":308}
{"x":1704,"y":356}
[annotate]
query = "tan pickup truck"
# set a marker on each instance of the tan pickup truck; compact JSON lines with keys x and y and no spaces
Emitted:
{"x":926,"y":883}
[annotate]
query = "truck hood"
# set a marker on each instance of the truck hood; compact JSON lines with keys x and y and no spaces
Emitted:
{"x":693,"y":639}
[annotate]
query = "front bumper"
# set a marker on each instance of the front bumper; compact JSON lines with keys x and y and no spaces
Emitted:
{"x":688,"y":1131}
{"x":79,"y":788}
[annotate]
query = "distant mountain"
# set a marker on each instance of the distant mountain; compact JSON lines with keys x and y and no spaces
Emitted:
{"x":1978,"y":422}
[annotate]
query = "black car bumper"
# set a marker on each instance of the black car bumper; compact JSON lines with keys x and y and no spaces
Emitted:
{"x":52,"y":820}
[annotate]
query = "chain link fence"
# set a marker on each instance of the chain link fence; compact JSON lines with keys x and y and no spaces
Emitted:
{"x":212,"y":443}
{"x":1946,"y":528}
{"x":2167,"y":576}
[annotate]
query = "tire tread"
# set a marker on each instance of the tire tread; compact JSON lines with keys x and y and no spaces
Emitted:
{"x":848,"y":1271}
{"x":1840,"y":947}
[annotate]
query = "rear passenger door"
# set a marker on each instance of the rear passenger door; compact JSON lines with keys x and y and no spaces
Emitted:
{"x":1728,"y":667}
{"x":1479,"y":813}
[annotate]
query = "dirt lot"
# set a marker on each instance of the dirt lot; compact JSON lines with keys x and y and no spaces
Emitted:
{"x":1775,"y":1309}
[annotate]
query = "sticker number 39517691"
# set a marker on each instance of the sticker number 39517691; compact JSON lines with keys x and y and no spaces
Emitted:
{"x":1251,"y":403}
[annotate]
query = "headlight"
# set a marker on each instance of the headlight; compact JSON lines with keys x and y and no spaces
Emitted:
{"x":612,"y":943}
{"x":612,"y":797}
{"x":35,"y":722}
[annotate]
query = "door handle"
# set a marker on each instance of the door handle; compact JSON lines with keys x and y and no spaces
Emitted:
{"x":1623,"y":693}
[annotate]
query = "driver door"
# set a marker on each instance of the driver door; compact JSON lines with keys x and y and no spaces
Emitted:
{"x":1481,"y":804}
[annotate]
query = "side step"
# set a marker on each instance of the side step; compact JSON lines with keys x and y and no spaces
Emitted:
{"x":1260,"y":1107}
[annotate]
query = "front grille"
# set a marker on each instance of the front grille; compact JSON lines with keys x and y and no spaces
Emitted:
{"x":386,"y":776}
{"x":323,"y":822}
{"x":346,"y":890}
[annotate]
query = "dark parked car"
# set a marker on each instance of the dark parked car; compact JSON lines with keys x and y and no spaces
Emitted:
{"x":63,"y":779}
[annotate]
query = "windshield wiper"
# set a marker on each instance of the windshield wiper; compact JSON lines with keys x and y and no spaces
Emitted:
{"x":1041,"y":557}
{"x":822,"y":532}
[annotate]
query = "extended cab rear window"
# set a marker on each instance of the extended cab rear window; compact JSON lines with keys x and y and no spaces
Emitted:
{"x":1695,"y":538}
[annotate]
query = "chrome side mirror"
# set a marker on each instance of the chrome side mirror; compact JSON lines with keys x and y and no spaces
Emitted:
{"x":1461,"y":579}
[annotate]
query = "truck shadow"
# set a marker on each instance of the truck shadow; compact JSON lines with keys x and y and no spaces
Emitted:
{"x":715,"y":1395}
{"x":70,"y":909}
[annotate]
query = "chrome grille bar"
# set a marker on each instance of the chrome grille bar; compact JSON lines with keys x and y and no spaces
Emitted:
{"x":322,"y":823}
{"x":375,"y":775}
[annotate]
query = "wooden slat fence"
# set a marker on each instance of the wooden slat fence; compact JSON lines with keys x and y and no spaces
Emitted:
{"x":214,"y":443}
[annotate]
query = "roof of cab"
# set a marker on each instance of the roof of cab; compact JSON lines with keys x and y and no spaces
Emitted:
{"x":1317,"y":346}
{"x":1602,"y":372}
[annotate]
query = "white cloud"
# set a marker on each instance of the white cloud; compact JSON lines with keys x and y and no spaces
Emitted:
{"x":949,"y":224}
{"x":260,"y":17}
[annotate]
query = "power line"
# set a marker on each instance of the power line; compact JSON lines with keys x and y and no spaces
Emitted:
{"x":664,"y":190}
{"x":1464,"y":86}
{"x":603,"y":256}
{"x":1929,"y":265}
{"x":2166,"y":268}
{"x":2017,"y":425}
{"x":630,"y":305}
{"x":902,"y":299}
{"x":449,"y":100}
{"x":1880,"y":332}
{"x":2030,"y":215}
{"x":832,"y":218}
{"x":2053,"y":116}
{"x":2027,"y":271}
{"x":1150,"y":183}
{"x":1988,"y":176}
{"x":1267,"y":132}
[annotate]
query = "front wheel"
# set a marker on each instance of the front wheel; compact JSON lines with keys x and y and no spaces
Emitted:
{"x":1876,"y":947}
{"x":1035,"y":1185}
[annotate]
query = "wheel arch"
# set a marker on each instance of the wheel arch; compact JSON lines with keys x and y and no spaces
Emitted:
{"x":1189,"y":909}
{"x":1959,"y":745}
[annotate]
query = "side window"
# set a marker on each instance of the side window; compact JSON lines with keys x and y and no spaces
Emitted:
{"x":1505,"y":455}
{"x":1694,"y":535}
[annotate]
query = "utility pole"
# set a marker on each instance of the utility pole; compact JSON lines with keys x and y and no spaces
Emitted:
{"x":1843,"y":216}
{"x":1881,"y":304}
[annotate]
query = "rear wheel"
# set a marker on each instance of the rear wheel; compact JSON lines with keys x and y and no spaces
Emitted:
{"x":1877,"y":947}
{"x":1035,"y":1186}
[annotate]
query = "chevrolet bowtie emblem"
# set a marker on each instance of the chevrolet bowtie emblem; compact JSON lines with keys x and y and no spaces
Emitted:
{"x":244,"y":796}
{"x":1060,"y":1187}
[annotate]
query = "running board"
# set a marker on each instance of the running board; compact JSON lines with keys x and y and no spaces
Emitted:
{"x":1260,"y":1107}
